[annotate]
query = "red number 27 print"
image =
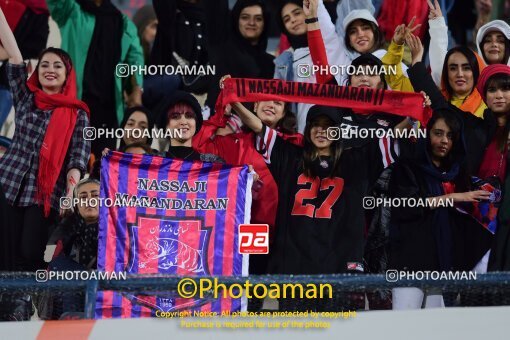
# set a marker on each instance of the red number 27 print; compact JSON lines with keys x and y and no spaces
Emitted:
{"x":308,"y":209}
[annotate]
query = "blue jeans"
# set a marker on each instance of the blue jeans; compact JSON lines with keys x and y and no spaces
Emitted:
{"x":5,"y":103}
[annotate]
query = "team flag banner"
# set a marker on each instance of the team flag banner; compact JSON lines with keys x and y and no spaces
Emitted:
{"x":360,"y":99}
{"x":485,"y":212}
{"x":170,"y":217}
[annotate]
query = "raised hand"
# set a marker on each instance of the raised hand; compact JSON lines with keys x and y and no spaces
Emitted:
{"x":426,"y":101}
{"x":471,"y":196}
{"x":310,"y":8}
{"x":399,"y":35}
{"x":223,"y":79}
{"x":435,"y":10}
{"x":9,"y":42}
{"x":416,"y":48}
{"x":484,"y":7}
{"x":402,"y":31}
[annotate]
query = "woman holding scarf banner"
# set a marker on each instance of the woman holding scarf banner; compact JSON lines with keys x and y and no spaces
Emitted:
{"x":364,"y":77}
{"x":182,"y":112}
{"x":320,"y":219}
{"x":48,"y":154}
{"x":224,"y":135}
{"x":456,"y":71}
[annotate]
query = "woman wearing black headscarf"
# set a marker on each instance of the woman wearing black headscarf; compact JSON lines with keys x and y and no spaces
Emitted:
{"x":98,"y":37}
{"x":243,"y":53}
{"x":434,"y":236}
{"x":295,"y":63}
{"x":182,"y":38}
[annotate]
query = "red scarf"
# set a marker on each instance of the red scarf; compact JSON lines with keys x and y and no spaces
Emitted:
{"x":396,"y":12}
{"x":58,"y":134}
{"x":13,"y":11}
{"x":360,"y":100}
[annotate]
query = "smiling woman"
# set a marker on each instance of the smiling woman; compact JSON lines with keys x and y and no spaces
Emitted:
{"x":52,"y":73}
{"x":251,"y":23}
{"x":362,"y":35}
{"x":182,"y":111}
{"x":319,"y":221}
{"x":241,"y":51}
{"x":493,"y":42}
{"x":46,"y":158}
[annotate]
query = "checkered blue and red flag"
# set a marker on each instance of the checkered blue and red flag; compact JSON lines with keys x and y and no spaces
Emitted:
{"x":170,"y":217}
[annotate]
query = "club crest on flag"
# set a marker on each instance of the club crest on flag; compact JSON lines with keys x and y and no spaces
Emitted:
{"x":175,"y":218}
{"x":168,"y":245}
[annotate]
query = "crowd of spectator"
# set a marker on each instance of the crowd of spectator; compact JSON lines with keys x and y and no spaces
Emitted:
{"x":308,"y":188}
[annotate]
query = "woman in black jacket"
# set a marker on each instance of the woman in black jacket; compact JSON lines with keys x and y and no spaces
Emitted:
{"x":478,"y":132}
{"x":434,"y":237}
{"x":494,"y":86}
{"x":182,"y":38}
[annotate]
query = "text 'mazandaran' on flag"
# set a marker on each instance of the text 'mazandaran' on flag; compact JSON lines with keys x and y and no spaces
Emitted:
{"x":174,"y":217}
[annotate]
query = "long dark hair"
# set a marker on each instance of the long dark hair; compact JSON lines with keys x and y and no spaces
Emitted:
{"x":500,"y":81}
{"x":457,"y":153}
{"x":506,"y":56}
{"x":286,"y":125}
{"x":236,"y":13}
{"x":378,"y":36}
{"x":150,"y":121}
{"x":368,"y":59}
{"x":455,"y":128}
{"x":472,"y":61}
{"x":310,"y":152}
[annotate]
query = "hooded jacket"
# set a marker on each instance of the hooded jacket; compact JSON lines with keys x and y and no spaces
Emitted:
{"x":495,"y":25}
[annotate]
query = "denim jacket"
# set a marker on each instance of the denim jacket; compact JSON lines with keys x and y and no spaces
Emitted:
{"x":283,"y":66}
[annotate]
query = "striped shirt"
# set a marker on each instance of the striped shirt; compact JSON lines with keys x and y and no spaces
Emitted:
{"x":20,"y":164}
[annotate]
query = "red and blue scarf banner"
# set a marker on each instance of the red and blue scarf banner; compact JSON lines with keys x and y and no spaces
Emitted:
{"x":170,"y":217}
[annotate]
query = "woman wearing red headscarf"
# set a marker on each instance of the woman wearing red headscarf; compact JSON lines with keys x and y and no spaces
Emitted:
{"x":47,"y":156}
{"x":494,"y":86}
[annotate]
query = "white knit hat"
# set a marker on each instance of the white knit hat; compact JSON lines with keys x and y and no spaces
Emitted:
{"x":495,"y":25}
{"x":358,"y":14}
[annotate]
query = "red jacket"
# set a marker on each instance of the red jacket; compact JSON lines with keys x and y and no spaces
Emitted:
{"x":239,"y":149}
